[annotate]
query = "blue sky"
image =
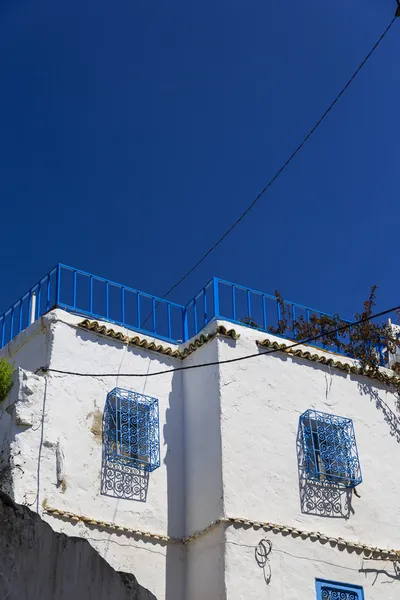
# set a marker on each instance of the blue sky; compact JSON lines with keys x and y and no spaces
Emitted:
{"x":134,"y":133}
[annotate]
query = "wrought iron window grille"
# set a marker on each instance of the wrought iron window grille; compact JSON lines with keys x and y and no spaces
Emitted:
{"x":330,"y":590}
{"x":330,"y":449}
{"x":131,"y":430}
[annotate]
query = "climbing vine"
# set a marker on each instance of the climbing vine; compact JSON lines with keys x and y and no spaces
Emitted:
{"x":6,"y":373}
{"x":368,"y":342}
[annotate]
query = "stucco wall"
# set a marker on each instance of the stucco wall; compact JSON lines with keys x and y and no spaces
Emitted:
{"x":205,"y":563}
{"x":203,"y":475}
{"x":31,"y":349}
{"x":294,"y":564}
{"x":228,"y":449}
{"x":261,"y":401}
{"x":61,"y":448}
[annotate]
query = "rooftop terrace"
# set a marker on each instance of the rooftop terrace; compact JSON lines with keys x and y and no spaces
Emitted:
{"x":95,"y":297}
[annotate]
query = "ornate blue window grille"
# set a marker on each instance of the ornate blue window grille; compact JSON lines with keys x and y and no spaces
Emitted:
{"x":329,"y":590}
{"x":131,"y":430}
{"x":330,"y":449}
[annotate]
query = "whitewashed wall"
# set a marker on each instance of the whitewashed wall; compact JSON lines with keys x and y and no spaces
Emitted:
{"x":65,"y":421}
{"x":31,"y":349}
{"x":203,"y":475}
{"x":261,"y":401}
{"x":228,"y":449}
{"x":205,"y":571}
{"x":293,"y":566}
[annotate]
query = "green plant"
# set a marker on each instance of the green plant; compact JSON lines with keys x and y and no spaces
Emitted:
{"x":250,"y":322}
{"x":6,"y":382}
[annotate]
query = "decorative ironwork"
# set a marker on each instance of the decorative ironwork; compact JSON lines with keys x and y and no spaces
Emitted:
{"x":330,"y":449}
{"x":320,"y":498}
{"x":337,"y":591}
{"x":131,"y":433}
{"x":332,"y":594}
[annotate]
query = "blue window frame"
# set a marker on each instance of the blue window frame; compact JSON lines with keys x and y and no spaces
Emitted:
{"x":330,"y":449}
{"x":131,"y":429}
{"x":330,"y":590}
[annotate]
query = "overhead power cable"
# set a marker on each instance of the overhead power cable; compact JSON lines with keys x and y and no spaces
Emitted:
{"x":229,"y":360}
{"x":285,"y":164}
{"x":280,"y":171}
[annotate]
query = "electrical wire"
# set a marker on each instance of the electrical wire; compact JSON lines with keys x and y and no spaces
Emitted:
{"x":286,"y":164}
{"x":229,"y":360}
{"x":279,"y":172}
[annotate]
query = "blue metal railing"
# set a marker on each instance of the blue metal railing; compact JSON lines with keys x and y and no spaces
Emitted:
{"x":32,"y":305}
{"x":88,"y":295}
{"x":265,"y":312}
{"x":202,"y":309}
{"x":245,"y":306}
{"x":94,"y":296}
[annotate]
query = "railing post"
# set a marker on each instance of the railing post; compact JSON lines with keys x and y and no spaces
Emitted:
{"x":20,"y":316}
{"x":48,"y":293}
{"x":264,"y":309}
{"x":234,"y":302}
{"x":138,"y":310}
{"x":294,"y":321}
{"x":122,"y":305}
{"x":32,"y":316}
{"x":185,"y":325}
{"x":74,"y":289}
{"x":169,"y":320}
{"x":195,"y":316}
{"x":153,"y":309}
{"x":3,"y":331}
{"x":12,"y":323}
{"x":382,"y":355}
{"x":216,"y":297}
{"x":58,"y":284}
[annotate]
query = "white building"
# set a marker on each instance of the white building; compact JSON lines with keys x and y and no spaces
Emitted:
{"x":230,"y":481}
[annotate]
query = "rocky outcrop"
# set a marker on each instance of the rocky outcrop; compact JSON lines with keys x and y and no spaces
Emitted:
{"x":36,"y":563}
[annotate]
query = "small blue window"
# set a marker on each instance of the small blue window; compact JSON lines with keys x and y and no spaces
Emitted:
{"x":330,"y":449}
{"x":329,"y":590}
{"x":131,"y":429}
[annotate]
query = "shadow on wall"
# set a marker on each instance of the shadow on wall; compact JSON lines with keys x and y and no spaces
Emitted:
{"x":121,"y":481}
{"x":174,"y":461}
{"x":392,"y":575}
{"x":39,"y":564}
{"x":372,"y":390}
{"x":261,"y":555}
{"x":318,"y":497}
